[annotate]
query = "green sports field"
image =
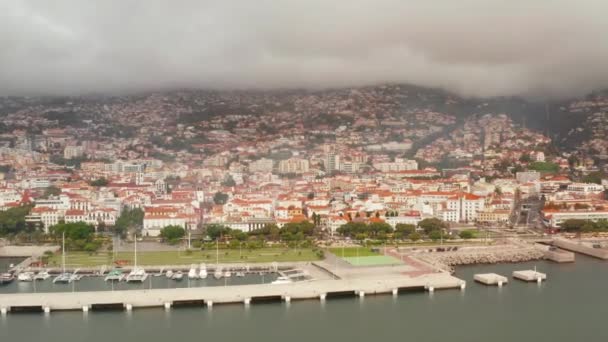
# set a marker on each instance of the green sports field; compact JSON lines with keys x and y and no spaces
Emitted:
{"x":81,"y":259}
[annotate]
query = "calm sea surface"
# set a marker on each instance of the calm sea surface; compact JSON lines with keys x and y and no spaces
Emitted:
{"x":571,"y":306}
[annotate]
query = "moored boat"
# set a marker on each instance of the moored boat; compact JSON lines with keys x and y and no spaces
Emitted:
{"x":192,"y":274}
{"x":177,"y":276}
{"x":26,"y":276}
{"x":42,"y":275}
{"x":282,"y":280}
{"x":203,"y":272}
{"x":115,"y":275}
{"x":137,"y":275}
{"x":6,"y":278}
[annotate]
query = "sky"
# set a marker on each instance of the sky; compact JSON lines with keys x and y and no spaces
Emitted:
{"x":478,"y":48}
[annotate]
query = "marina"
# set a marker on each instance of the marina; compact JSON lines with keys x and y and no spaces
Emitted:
{"x":515,"y":305}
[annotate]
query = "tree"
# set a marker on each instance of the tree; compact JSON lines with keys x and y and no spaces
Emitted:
{"x":99,"y":182}
{"x":573,"y":225}
{"x":378,"y":228}
{"x":431,"y":224}
{"x":220,"y":198}
{"x":415,"y":236}
{"x":402,"y":229}
{"x":228,"y":181}
{"x":525,"y":158}
{"x":51,"y":191}
{"x":546,"y":167}
{"x":215,"y":231}
{"x":296,"y":231}
{"x":466,"y":234}
{"x":78,"y":235}
{"x":12,"y":221}
{"x":129,"y":219}
{"x":435,"y":235}
{"x":172,"y":234}
{"x":594,"y":177}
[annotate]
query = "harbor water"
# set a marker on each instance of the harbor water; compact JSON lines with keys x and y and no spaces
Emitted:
{"x":569,"y":306}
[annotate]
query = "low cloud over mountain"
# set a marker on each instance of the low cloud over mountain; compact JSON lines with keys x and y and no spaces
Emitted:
{"x":472,"y":47}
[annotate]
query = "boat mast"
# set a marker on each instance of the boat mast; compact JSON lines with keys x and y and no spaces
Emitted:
{"x":217,"y":253}
{"x":63,"y":251}
{"x":135,"y":236}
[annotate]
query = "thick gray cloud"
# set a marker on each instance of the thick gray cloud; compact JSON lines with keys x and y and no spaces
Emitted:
{"x":472,"y":47}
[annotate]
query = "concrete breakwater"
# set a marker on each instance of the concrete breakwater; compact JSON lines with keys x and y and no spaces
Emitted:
{"x":488,"y":255}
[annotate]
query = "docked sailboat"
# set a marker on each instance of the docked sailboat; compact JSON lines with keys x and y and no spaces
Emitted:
{"x":218,"y":273}
{"x":137,"y":275}
{"x":203,"y":272}
{"x":64,"y":277}
{"x":169,"y":274}
{"x":282,"y":280}
{"x":6,"y":278}
{"x":42,"y":275}
{"x":178,"y":276}
{"x":192,"y":274}
{"x":227,"y":274}
{"x":26,"y":276}
{"x":115,"y":275}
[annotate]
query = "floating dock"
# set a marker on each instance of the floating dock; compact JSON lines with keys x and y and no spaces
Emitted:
{"x":209,"y":296}
{"x":491,"y":279}
{"x":530,"y":275}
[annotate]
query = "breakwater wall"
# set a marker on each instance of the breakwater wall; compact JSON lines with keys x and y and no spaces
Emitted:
{"x":483,"y":255}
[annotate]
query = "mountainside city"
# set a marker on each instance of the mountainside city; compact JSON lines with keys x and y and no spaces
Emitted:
{"x":250,"y":159}
{"x":303,"y":170}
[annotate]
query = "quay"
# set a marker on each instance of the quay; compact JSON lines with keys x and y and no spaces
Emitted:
{"x":530,"y":275}
{"x":587,"y":248}
{"x":209,"y":296}
{"x":490,"y":279}
{"x":559,"y":255}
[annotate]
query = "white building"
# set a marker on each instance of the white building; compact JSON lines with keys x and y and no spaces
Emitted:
{"x":73,"y":152}
{"x":400,"y":164}
{"x":294,"y":165}
{"x":153,"y":224}
{"x":261,"y":165}
{"x":555,"y":217}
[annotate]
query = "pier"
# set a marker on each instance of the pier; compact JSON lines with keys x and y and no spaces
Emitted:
{"x":210,"y":296}
{"x":559,"y":255}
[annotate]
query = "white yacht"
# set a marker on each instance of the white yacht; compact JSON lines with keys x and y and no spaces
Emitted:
{"x":203,"y":272}
{"x":192,"y":274}
{"x":137,"y":275}
{"x":64,"y":277}
{"x":169,"y":274}
{"x":26,"y":276}
{"x":42,"y":275}
{"x":282,"y":280}
{"x":227,"y":274}
{"x":240,"y":274}
{"x":115,"y":275}
{"x":178,"y":276}
{"x":218,"y":273}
